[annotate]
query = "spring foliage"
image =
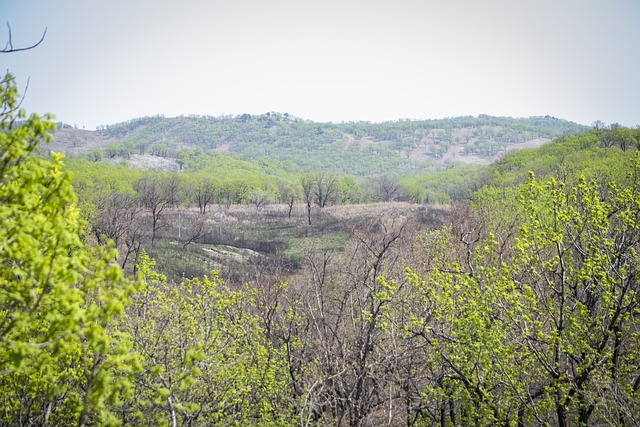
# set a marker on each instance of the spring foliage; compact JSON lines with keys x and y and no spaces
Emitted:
{"x":60,"y":360}
{"x":524,"y":311}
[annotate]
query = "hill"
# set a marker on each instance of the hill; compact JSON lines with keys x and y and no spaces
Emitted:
{"x":356,"y":148}
{"x":519,"y":307}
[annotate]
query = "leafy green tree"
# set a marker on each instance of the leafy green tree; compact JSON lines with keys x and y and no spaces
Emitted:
{"x":111,"y":151}
{"x":61,"y":362}
{"x":202,"y":190}
{"x":95,"y":155}
{"x":540,"y":326}
{"x":350,"y":191}
{"x":623,"y":137}
{"x":207,"y":359}
{"x":581,"y":247}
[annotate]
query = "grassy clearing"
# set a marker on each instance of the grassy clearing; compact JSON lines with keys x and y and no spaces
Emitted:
{"x":240,"y":242}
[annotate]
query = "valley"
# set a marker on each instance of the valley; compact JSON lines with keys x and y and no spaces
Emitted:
{"x":287,"y":273}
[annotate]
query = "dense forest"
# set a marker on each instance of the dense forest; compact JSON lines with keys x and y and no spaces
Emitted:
{"x":250,"y":290}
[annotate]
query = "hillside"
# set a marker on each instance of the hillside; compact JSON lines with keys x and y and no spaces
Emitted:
{"x":356,"y":148}
{"x":516,"y":305}
{"x":237,"y":206}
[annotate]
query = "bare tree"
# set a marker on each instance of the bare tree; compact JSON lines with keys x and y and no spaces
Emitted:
{"x":173,"y":187}
{"x":287,"y":195}
{"x":115,"y":213}
{"x":347,"y":304}
{"x":326,"y":186}
{"x":196,"y":229}
{"x":133,"y":239}
{"x":387,"y":188}
{"x":307,"y":183}
{"x":154,"y":198}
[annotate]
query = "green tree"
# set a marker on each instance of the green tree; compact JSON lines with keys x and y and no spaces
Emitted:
{"x":539,"y":326}
{"x":202,"y":190}
{"x":207,"y":359}
{"x":580,"y":246}
{"x":61,"y":363}
{"x":623,"y":137}
{"x":95,"y":155}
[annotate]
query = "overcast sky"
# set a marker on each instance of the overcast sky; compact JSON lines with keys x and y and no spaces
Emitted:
{"x":108,"y":61}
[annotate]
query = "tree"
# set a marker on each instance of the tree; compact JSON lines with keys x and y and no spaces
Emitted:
{"x":307,"y":184}
{"x":353,"y":360}
{"x":114,"y":212}
{"x":117,"y":219}
{"x":325,"y":187}
{"x":173,"y":186}
{"x":259,"y":198}
{"x":287,"y":195}
{"x":203,"y":192}
{"x":540,"y":327}
{"x":207,"y":359}
{"x":623,"y":137}
{"x":387,"y":188}
{"x":61,"y":362}
{"x":195,"y":228}
{"x":350,"y":191}
{"x":582,"y":250}
{"x":598,"y":125}
{"x":95,"y":155}
{"x":154,"y":198}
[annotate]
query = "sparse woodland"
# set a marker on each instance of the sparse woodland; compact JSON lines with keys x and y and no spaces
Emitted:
{"x":248,"y":290}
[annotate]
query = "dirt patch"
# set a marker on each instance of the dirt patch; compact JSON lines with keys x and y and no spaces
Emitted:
{"x":226,"y":254}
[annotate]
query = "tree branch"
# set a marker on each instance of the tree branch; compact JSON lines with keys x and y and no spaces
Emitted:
{"x":8,"y":48}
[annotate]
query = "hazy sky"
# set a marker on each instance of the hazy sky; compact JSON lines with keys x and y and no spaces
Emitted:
{"x":326,"y":60}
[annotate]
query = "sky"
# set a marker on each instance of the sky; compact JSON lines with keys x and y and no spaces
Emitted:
{"x":108,"y":61}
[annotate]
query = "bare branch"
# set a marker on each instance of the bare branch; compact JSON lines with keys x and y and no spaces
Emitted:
{"x":8,"y":48}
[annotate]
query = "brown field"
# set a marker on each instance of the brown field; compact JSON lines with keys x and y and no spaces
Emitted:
{"x":241,"y":241}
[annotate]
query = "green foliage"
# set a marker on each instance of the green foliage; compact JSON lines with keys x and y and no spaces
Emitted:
{"x":207,"y":359}
{"x":98,"y":186}
{"x":252,"y":177}
{"x":357,"y":148}
{"x":95,"y":155}
{"x":443,"y":187}
{"x":61,"y":363}
{"x":89,"y":178}
{"x":538,"y":326}
{"x":566,"y":158}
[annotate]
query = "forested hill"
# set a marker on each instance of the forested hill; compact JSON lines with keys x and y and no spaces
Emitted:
{"x":359,"y":148}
